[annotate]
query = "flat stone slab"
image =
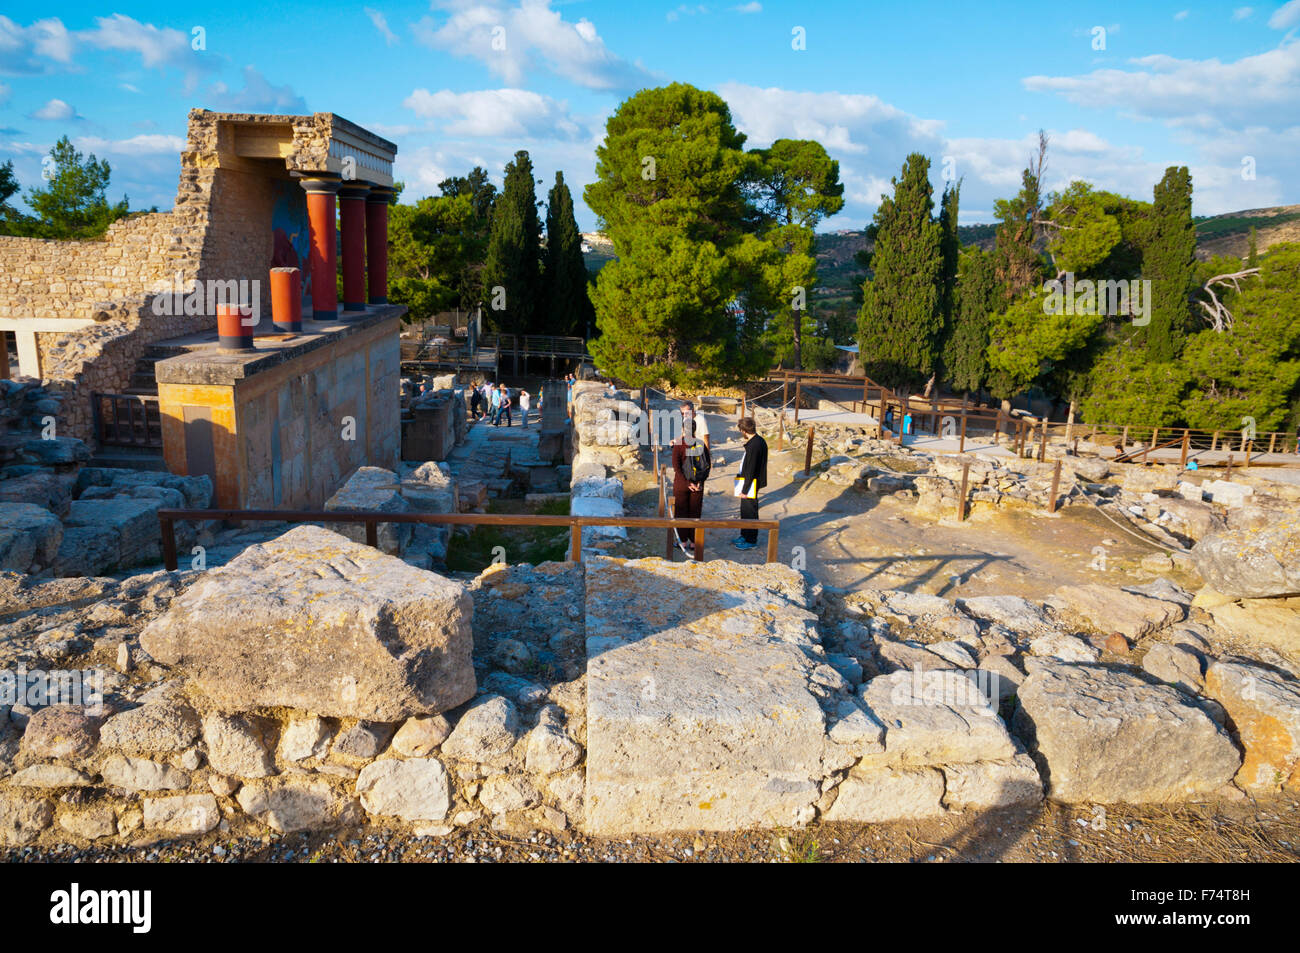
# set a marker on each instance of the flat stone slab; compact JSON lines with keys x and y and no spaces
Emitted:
{"x":699,"y":712}
{"x":1265,"y":710}
{"x":1103,"y":736}
{"x":1114,"y":610}
{"x":313,"y":621}
{"x":935,"y":717}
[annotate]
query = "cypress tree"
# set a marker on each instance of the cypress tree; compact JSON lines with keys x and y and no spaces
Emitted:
{"x":564,"y":280}
{"x":978,"y":295}
{"x":901,"y":320}
{"x":514,"y":253}
{"x":950,"y":252}
{"x":1169,"y":261}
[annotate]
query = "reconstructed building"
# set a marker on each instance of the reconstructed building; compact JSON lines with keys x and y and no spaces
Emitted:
{"x":125,"y":326}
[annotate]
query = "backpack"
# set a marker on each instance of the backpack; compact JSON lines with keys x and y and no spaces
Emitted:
{"x":697,"y":463}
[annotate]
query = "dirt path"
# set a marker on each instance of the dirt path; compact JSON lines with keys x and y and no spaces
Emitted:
{"x":855,"y":539}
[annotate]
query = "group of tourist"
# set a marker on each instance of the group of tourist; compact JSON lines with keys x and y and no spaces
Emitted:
{"x":691,"y":460}
{"x":692,"y":463}
{"x":495,"y":401}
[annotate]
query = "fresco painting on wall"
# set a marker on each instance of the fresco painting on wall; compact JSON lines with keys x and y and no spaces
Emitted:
{"x":292,"y":242}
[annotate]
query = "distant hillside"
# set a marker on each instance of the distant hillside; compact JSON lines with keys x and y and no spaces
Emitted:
{"x":839,"y":275}
{"x":1229,"y":234}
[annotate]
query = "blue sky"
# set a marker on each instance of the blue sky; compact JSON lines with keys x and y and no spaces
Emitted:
{"x":1124,"y":90}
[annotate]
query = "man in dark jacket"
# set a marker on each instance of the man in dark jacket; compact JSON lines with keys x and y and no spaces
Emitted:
{"x":753,"y":477}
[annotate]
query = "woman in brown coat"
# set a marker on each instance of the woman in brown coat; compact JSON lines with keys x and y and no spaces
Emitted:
{"x":690,"y":469}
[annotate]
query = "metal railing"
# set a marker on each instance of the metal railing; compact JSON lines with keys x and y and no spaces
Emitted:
{"x":167,"y":519}
{"x":127,"y":420}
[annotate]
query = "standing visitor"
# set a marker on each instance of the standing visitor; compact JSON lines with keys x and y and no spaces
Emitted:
{"x":505,"y":404}
{"x":495,"y":403}
{"x":691,"y":466}
{"x":568,"y":401}
{"x":753,"y":477}
{"x":691,"y":419}
{"x":525,"y":399}
{"x":487,"y":397}
{"x":475,"y":402}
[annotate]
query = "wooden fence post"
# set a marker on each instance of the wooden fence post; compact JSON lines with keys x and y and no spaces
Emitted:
{"x":962,"y":446}
{"x":1056,"y":485}
{"x":1182,"y":462}
{"x":807,"y":460}
{"x":961,"y":498}
{"x":1042,"y":443}
{"x":575,"y":542}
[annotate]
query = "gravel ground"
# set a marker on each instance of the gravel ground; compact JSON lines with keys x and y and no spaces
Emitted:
{"x":1263,"y":831}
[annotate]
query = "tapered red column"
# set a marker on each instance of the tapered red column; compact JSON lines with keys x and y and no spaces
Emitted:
{"x":352,"y":221}
{"x":377,"y":203}
{"x":324,"y":247}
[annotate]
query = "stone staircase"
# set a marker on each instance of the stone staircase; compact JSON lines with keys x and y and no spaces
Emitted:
{"x":494,"y":461}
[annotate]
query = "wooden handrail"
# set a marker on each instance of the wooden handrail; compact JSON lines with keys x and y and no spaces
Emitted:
{"x":371,"y":518}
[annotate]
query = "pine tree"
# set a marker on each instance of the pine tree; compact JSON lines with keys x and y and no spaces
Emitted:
{"x":795,"y":185}
{"x":901,"y":320}
{"x":513,"y":268}
{"x":564,"y":280}
{"x":73,"y":203}
{"x":1169,"y":260}
{"x":668,"y":194}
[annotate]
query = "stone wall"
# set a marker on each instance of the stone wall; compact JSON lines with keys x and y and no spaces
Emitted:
{"x":615,"y":697}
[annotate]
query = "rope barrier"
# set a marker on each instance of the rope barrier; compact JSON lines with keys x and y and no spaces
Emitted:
{"x":1135,"y":533}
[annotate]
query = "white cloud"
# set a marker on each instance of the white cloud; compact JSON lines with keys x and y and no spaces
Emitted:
{"x":5,"y":93}
{"x":511,"y":41}
{"x":381,"y":24}
{"x":156,"y":47}
{"x":30,"y":49}
{"x":1242,"y":13}
{"x":149,"y":144}
{"x":1182,"y":14}
{"x":258,"y":95}
{"x":871,"y":138}
{"x":1264,"y":87}
{"x":1285,"y":16}
{"x":686,"y":10}
{"x":495,"y":113}
{"x":752,"y":7}
{"x":56,"y":110}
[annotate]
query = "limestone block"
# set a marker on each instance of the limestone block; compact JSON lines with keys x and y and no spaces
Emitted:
{"x":316,"y":622}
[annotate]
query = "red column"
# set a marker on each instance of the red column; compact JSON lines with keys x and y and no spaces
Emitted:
{"x":352,"y":215}
{"x":324,"y":247}
{"x":377,"y":242}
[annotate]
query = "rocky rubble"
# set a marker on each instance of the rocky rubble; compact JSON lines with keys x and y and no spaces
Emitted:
{"x":314,"y":683}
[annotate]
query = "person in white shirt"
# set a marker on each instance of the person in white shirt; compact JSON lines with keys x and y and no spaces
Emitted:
{"x":701,"y":425}
{"x":524,"y":401}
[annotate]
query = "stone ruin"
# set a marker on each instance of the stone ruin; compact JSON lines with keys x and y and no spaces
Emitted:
{"x":576,"y":696}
